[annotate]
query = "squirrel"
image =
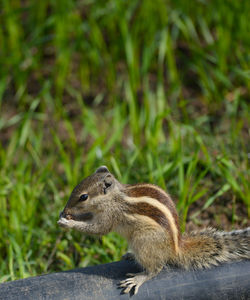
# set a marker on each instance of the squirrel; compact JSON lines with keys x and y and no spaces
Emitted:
{"x":146,"y":216}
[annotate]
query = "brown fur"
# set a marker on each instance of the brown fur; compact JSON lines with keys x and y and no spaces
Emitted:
{"x":154,"y":213}
{"x":146,"y":209}
{"x":144,"y":189}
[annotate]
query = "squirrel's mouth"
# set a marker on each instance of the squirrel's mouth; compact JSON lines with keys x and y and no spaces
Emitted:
{"x":82,"y":216}
{"x":77,"y":217}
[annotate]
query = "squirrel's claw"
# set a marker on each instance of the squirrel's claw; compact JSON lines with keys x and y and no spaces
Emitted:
{"x":133,"y":282}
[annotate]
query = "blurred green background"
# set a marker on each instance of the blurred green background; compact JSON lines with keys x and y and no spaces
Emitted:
{"x":156,"y":90}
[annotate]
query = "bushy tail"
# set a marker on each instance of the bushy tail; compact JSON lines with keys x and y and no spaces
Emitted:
{"x":208,"y":247}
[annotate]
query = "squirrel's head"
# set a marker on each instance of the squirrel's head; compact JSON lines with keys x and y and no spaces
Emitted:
{"x":91,"y":196}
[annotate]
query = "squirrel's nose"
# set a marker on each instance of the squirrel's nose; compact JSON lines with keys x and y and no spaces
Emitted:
{"x":62,"y":214}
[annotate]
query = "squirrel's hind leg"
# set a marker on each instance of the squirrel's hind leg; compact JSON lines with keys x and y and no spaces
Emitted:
{"x":135,"y":281}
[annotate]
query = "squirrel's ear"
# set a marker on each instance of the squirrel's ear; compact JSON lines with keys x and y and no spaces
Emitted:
{"x":102,"y":169}
{"x":108,"y":183}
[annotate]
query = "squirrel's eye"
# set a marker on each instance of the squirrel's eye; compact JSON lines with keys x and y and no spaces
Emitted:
{"x":83,"y":197}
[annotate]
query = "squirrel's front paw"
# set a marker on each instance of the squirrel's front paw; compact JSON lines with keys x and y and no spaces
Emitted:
{"x":63,"y":222}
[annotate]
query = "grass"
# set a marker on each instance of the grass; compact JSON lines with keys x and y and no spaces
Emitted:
{"x":157,"y":91}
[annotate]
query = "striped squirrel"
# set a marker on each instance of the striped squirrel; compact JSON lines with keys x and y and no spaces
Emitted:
{"x":146,"y":216}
